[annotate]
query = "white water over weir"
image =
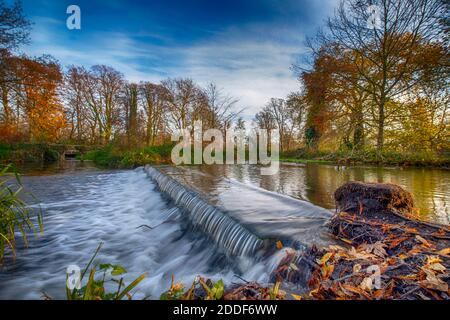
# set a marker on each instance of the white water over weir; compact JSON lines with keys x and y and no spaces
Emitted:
{"x":224,"y":230}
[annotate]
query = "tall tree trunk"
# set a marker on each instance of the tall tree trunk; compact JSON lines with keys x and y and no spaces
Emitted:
{"x":358,"y":133}
{"x":381,"y":121}
{"x":6,"y":109}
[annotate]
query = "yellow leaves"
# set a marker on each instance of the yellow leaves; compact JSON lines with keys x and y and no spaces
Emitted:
{"x":177,"y":286}
{"x":296,"y":296}
{"x":444,"y":252}
{"x":411,"y":277}
{"x":434,"y":263}
{"x":327,"y":271}
{"x":325,"y":258}
{"x":437,"y":267}
{"x":346,"y":240}
{"x":279,"y":245}
{"x":357,"y":268}
{"x":433,"y":260}
{"x":403,"y":256}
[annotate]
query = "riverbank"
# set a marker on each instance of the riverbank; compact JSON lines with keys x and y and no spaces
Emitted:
{"x":370,"y":157}
{"x":119,"y":157}
{"x":115,"y":157}
{"x":110,"y":156}
{"x":19,"y":153}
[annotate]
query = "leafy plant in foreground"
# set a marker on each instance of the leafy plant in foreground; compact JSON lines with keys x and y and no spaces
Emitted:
{"x":14,"y":214}
{"x":95,"y":287}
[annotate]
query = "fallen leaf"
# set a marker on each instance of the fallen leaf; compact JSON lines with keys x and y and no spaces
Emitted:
{"x":354,"y":254}
{"x":337,"y":248}
{"x":396,"y":242}
{"x":433,"y":259}
{"x":357,"y":268}
{"x":366,"y":284}
{"x":425,"y":242}
{"x":356,"y":290}
{"x":325,"y":258}
{"x":376,"y":248}
{"x":445,"y":252}
{"x":408,"y":277}
{"x":437,"y":267}
{"x":279,"y":245}
{"x":327,"y":271}
{"x":433,"y":282}
{"x":296,"y":297}
{"x":346,"y":240}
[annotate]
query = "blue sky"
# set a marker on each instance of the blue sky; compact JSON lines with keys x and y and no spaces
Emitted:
{"x":245,"y":46}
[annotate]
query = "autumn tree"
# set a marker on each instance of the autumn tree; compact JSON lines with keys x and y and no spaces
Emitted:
{"x":183,"y":98}
{"x":130,"y":103}
{"x":77,"y":110}
{"x":317,"y":84}
{"x":155,"y":106}
{"x":386,"y":45}
{"x":37,"y":95}
{"x":14,"y":31}
{"x":220,"y":108}
{"x":101,"y":87}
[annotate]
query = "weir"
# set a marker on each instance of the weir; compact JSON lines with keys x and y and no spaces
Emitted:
{"x":225,"y":231}
{"x":238,"y":216}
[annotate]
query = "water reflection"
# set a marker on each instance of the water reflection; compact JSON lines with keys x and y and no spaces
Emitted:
{"x":317,"y":183}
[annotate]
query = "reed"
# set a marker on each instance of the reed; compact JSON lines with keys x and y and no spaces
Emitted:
{"x":15,"y":215}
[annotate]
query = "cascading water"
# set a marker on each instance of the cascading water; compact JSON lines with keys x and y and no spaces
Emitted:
{"x":225,"y":231}
{"x":140,"y":230}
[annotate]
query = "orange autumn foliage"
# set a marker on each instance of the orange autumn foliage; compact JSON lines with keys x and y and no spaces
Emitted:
{"x":40,"y":80}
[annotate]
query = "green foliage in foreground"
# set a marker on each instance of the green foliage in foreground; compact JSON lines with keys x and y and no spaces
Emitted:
{"x":14,"y":214}
{"x":211,"y":290}
{"x":95,"y":286}
{"x":116,"y":157}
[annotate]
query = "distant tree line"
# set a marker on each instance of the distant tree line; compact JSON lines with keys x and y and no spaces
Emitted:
{"x":41,"y":102}
{"x":371,"y":83}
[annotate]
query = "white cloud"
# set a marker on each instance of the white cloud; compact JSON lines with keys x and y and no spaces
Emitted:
{"x":248,"y":67}
{"x":251,"y":71}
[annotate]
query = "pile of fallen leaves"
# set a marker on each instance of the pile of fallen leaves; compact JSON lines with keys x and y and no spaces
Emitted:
{"x":404,"y":259}
{"x":206,"y":289}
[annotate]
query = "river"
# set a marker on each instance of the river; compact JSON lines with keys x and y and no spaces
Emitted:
{"x":83,"y":205}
